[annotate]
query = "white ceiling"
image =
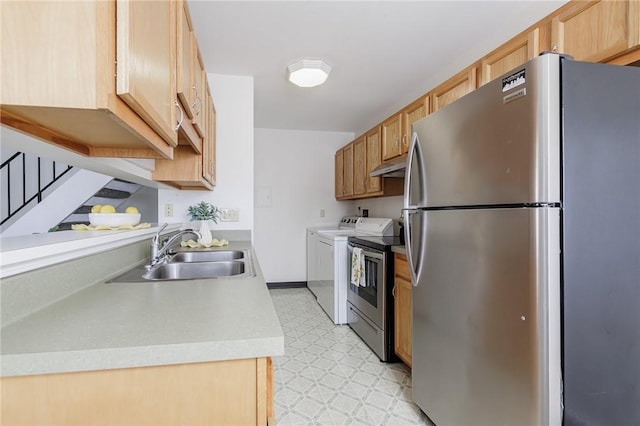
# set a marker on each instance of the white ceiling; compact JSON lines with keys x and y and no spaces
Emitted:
{"x":384,"y":54}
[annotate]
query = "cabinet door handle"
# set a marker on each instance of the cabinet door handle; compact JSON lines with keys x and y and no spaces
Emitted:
{"x":181,"y":115}
{"x":393,"y":291}
{"x":197,"y":102}
{"x":404,"y":140}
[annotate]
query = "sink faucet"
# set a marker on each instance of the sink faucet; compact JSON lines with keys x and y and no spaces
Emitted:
{"x":157,"y":252}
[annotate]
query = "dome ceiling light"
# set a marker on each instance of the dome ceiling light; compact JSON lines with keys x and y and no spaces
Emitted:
{"x":308,"y":72}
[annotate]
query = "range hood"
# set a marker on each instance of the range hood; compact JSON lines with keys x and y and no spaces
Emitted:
{"x":391,"y":168}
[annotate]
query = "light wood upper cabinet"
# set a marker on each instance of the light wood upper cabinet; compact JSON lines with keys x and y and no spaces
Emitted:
{"x":454,"y":88}
{"x":594,"y":30}
{"x":360,"y":171}
{"x":209,"y":149}
{"x":58,"y":66}
{"x":146,"y":36}
{"x":391,"y":137}
{"x":348,"y":171}
{"x":597,"y":31}
{"x":402,"y":309}
{"x":510,"y":55}
{"x":188,"y":169}
{"x":200,"y":96}
{"x":184,"y":63}
{"x":374,"y":159}
{"x":339,"y":174}
{"x":194,"y":162}
{"x":185,"y":84}
{"x":410,"y":114}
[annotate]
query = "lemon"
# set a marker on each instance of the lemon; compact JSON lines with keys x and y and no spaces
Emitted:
{"x":131,"y":209}
{"x":107,"y":208}
{"x":96,"y":208}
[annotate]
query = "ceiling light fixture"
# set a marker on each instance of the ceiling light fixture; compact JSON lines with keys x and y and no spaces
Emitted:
{"x":308,"y":72}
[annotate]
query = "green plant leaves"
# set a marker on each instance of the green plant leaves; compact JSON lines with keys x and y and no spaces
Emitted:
{"x":204,"y":211}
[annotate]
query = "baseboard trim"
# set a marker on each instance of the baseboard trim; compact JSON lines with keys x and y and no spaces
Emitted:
{"x":290,"y":284}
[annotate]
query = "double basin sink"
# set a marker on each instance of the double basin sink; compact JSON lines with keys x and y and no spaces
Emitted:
{"x":192,"y":265}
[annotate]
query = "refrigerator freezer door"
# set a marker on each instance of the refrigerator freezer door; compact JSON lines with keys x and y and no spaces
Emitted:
{"x":497,"y":145}
{"x":486,"y":321}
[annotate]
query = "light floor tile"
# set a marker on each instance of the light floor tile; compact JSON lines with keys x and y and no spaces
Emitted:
{"x":328,"y":376}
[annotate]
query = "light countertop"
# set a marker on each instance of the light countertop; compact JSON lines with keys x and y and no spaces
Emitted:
{"x":123,"y":325}
{"x":399,"y":249}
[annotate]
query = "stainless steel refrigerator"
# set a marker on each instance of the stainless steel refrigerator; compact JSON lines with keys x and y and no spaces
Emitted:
{"x":522,"y":222}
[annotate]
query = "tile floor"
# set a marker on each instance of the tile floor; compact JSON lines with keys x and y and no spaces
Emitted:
{"x":328,"y":376}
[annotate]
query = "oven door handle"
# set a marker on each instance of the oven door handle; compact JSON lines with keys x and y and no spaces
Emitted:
{"x":372,"y":254}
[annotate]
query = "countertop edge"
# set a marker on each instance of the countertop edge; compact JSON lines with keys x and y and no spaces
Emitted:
{"x":399,"y":249}
{"x":14,"y":365}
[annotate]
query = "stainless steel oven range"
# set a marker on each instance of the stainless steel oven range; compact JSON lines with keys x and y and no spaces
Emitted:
{"x":370,"y":304}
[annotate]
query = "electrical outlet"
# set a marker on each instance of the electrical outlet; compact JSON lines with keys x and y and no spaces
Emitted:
{"x":168,"y":210}
{"x":321,"y":212}
{"x":230,"y":215}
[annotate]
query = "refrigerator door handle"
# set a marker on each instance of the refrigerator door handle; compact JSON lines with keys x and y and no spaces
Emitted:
{"x":413,"y":149}
{"x":407,"y":238}
{"x":409,"y":209}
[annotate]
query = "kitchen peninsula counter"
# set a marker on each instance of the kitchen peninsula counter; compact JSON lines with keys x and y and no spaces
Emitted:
{"x":79,"y":350}
{"x":124,"y":325}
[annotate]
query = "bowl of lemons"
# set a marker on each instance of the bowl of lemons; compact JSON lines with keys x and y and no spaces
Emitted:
{"x":106,"y":215}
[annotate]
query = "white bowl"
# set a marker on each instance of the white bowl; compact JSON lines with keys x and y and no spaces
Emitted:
{"x":114,"y":220}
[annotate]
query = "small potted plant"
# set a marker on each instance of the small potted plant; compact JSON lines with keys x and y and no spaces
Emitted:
{"x":204,"y":212}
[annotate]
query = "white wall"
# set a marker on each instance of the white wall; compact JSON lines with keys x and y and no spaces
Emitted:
{"x":294,"y":179}
{"x":380,"y":207}
{"x":233,"y":100}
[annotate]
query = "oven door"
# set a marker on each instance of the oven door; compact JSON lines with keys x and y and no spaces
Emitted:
{"x":369,"y":299}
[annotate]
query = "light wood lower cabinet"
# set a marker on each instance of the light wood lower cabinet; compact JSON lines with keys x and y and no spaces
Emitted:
{"x":237,"y":392}
{"x":402,"y":309}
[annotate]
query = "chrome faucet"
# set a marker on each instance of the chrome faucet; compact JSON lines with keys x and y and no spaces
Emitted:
{"x":158,"y":253}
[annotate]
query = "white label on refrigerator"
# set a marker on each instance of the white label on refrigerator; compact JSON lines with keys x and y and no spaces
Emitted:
{"x":515,"y":95}
{"x":514,"y":80}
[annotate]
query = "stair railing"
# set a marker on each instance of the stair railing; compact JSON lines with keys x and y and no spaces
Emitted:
{"x":43,"y":183}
